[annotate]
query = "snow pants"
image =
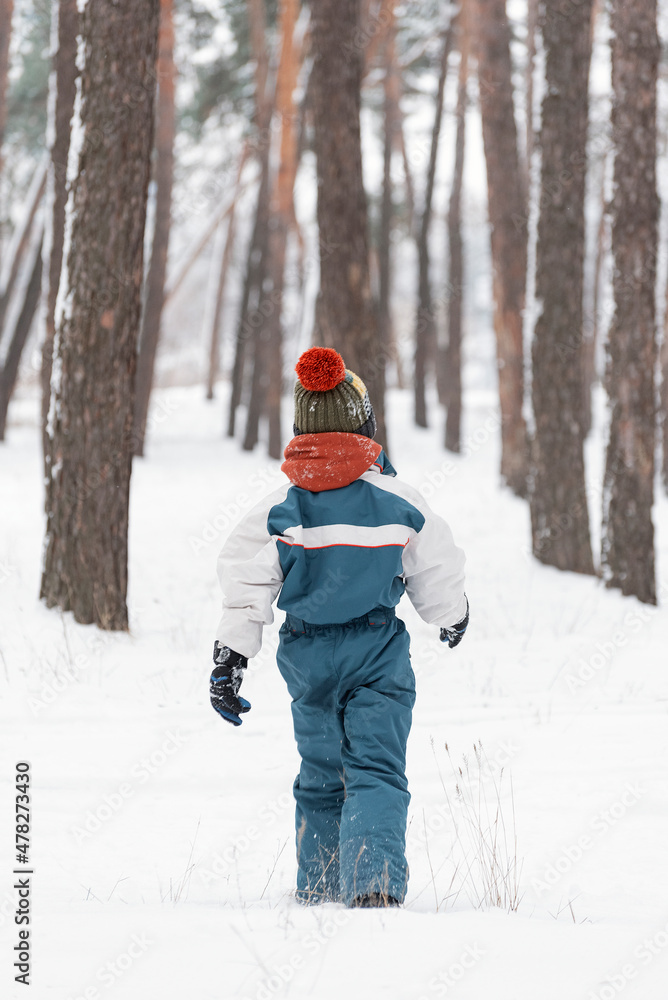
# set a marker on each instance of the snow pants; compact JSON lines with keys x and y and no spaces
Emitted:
{"x":353,"y":691}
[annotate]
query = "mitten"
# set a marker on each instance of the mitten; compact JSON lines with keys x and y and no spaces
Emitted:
{"x":225,"y":683}
{"x":454,"y":635}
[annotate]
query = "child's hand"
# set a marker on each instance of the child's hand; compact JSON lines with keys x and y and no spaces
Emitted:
{"x":225,"y":683}
{"x":454,"y":635}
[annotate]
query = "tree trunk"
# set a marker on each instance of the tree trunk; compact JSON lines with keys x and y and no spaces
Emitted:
{"x":261,"y":370}
{"x":61,"y":107}
{"x":249,"y":314}
{"x":375,"y":25}
{"x":393,"y":123}
{"x":508,"y":227}
{"x":257,"y":23}
{"x":192,"y":255}
{"x":268,"y":382}
{"x":251,"y":319}
{"x":18,"y":339}
{"x":283,"y":211}
{"x":408,"y":173}
{"x":226,"y":257}
{"x":664,"y":395}
{"x":591,"y":331}
{"x":532,"y":28}
{"x":455,"y":291}
{"x":21,"y":241}
{"x":164,"y":172}
{"x":6,"y":11}
{"x":558,"y":500}
{"x":90,"y":423}
{"x":425,"y":324}
{"x":628,"y":532}
{"x":345,"y":315}
{"x":592,"y":337}
{"x":390,"y":95}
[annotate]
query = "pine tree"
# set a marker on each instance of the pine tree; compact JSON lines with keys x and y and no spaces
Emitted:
{"x":452,"y":379}
{"x":6,"y":11}
{"x":390,"y":123}
{"x":89,"y":456}
{"x":19,"y":334}
{"x":249,"y":343}
{"x":628,"y":535}
{"x":508,"y":226}
{"x":345,"y":313}
{"x":214,"y":313}
{"x":164,"y":171}
{"x":425,"y":324}
{"x":282,"y":211}
{"x":558,"y":497}
{"x":63,"y":82}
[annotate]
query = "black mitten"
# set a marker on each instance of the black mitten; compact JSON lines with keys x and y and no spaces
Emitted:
{"x":225,"y":683}
{"x":454,"y":635}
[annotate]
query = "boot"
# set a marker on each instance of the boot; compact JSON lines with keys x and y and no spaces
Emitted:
{"x":375,"y":899}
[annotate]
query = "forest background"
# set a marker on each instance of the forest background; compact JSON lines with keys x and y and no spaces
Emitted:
{"x":270,"y":222}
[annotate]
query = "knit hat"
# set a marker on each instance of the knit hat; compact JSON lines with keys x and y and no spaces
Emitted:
{"x":329,"y":397}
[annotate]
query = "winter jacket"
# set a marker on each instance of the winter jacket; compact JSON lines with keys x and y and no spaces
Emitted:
{"x":342,"y":537}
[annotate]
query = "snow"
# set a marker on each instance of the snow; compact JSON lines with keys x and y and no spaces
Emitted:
{"x":162,"y":839}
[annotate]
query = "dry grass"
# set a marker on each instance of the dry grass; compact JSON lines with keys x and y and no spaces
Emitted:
{"x":488,"y":869}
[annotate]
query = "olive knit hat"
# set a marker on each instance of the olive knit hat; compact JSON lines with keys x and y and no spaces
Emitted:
{"x":329,"y":397}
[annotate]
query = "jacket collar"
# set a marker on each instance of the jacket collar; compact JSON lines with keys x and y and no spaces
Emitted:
{"x":383,"y":465}
{"x":333,"y":459}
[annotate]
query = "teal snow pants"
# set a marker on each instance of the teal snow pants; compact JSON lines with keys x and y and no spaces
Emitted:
{"x":353,"y":691}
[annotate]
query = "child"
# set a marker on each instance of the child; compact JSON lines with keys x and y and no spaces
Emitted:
{"x":340,"y":542}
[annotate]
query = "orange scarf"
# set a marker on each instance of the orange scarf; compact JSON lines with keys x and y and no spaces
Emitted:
{"x":328,"y":461}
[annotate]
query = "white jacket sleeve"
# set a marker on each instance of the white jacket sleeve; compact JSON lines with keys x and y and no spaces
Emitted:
{"x":434,"y":570}
{"x":251,"y":577}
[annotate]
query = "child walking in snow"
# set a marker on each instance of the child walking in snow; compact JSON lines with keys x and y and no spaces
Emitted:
{"x":338,"y":544}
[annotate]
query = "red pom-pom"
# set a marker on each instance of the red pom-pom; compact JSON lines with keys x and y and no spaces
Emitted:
{"x":320,"y":369}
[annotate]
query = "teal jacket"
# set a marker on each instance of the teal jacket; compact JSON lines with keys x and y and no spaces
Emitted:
{"x":342,"y":536}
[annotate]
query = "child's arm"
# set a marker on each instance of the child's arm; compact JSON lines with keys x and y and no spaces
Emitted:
{"x":434,"y":571}
{"x":453,"y":636}
{"x":250,"y":575}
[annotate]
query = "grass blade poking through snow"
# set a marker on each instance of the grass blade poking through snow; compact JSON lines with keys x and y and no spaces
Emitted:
{"x":485,"y":836}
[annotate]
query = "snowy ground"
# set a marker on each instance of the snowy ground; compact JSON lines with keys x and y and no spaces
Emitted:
{"x":162,"y":838}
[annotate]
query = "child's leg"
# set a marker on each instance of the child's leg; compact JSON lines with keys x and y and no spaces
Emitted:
{"x":377,"y":721}
{"x":306,"y":664}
